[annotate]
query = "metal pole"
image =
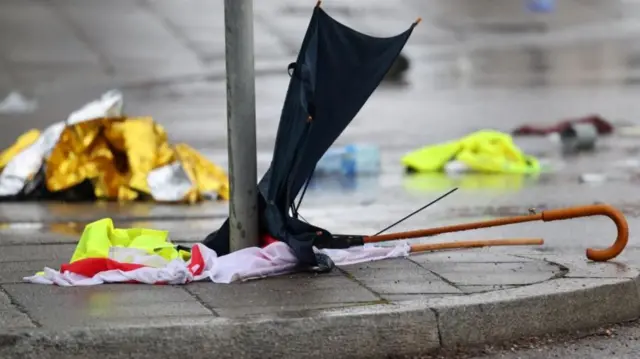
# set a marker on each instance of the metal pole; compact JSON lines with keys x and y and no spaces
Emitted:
{"x":241,"y":124}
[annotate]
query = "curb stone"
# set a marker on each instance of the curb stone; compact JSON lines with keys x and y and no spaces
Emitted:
{"x":374,"y":331}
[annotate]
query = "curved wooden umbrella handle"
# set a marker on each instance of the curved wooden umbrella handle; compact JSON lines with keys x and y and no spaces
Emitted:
{"x":616,"y":216}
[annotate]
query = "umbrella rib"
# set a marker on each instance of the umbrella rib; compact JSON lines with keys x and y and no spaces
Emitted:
{"x":416,"y":211}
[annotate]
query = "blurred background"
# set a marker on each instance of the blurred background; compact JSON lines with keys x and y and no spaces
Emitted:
{"x":470,"y":65}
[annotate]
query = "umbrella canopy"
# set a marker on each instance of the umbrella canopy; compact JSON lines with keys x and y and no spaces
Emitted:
{"x":336,"y":71}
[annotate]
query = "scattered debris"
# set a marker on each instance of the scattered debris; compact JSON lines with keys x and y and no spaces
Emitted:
{"x":628,"y":163}
{"x":597,"y":178}
{"x":593,"y":178}
{"x":628,"y":131}
{"x":349,"y":160}
{"x":15,"y":103}
{"x":100,"y":153}
{"x":578,"y":137}
{"x":602,"y":126}
{"x":541,"y":6}
{"x":484,"y":151}
{"x":106,"y":254}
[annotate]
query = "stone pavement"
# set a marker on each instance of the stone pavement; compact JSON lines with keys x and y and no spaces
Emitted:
{"x":392,"y":307}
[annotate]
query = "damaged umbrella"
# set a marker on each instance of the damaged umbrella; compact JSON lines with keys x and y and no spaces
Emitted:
{"x":336,"y":71}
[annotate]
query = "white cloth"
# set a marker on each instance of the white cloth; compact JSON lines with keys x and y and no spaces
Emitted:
{"x":275,"y":259}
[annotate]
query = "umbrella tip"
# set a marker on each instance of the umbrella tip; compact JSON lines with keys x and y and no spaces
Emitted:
{"x":319,"y":3}
{"x":418,"y":20}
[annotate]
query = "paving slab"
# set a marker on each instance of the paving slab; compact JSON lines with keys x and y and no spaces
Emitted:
{"x":12,"y":319}
{"x":106,"y":304}
{"x":473,"y":256}
{"x":355,"y":331}
{"x":340,"y":311}
{"x":14,"y":272}
{"x":80,"y":317}
{"x":5,"y":301}
{"x":631,"y":257}
{"x":398,"y":276}
{"x":53,"y":253}
{"x":111,"y":295}
{"x":495,"y":273}
{"x":302,"y":291}
{"x":578,"y":268}
{"x":12,"y":316}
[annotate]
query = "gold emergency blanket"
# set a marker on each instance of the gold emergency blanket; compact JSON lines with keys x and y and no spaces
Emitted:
{"x":124,"y":158}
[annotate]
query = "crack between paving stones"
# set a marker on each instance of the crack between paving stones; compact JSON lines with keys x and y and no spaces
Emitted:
{"x":437,"y":275}
{"x":202,"y":303}
{"x":554,"y":277}
{"x":19,"y":307}
{"x":353,"y":279}
{"x":563,"y":269}
{"x":435,"y":312}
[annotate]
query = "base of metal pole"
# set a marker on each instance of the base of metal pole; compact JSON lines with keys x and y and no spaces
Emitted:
{"x":241,"y":124}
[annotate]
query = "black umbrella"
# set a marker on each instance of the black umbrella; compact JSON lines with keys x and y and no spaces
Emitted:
{"x":336,"y":71}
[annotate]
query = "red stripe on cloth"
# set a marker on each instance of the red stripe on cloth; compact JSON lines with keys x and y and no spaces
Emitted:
{"x":267,"y":240}
{"x":196,"y":264}
{"x":89,"y":267}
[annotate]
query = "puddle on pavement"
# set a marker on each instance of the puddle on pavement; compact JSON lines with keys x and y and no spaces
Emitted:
{"x":180,"y":228}
{"x":68,"y":228}
{"x":439,"y":182}
{"x":366,"y":190}
{"x":344,"y":184}
{"x":532,"y":62}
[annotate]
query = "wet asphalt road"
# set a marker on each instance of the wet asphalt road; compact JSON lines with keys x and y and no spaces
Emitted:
{"x":474,"y":64}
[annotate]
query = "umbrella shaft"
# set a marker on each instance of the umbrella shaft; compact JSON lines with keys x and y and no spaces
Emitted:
{"x":476,"y":244}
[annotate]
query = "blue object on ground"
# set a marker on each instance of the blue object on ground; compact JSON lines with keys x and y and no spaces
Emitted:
{"x":349,"y":160}
{"x":544,"y":6}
